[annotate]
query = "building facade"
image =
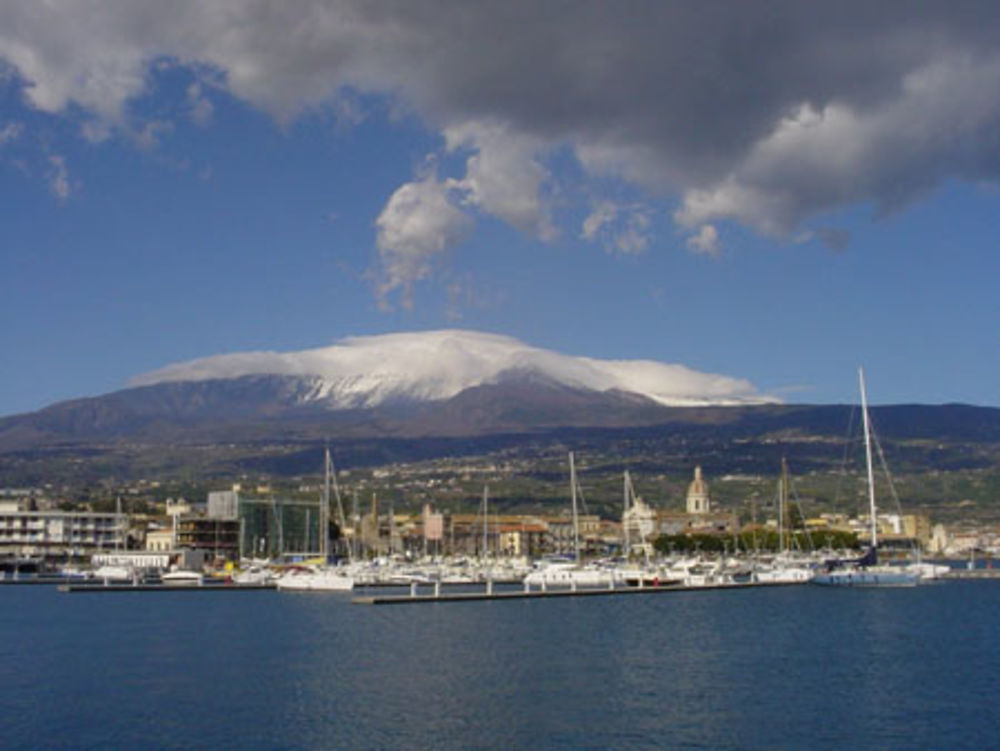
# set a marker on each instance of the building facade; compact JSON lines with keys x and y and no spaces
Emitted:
{"x":59,"y":533}
{"x":698,"y":501}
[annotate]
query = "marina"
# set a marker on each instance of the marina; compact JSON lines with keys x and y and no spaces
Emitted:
{"x":438,"y":591}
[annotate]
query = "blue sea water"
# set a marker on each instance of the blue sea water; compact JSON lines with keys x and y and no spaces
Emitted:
{"x":778,"y":668}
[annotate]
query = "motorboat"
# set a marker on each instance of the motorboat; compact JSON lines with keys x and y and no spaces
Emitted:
{"x":316,"y":579}
{"x":182,"y":578}
{"x":253,"y":575}
{"x":569,"y":574}
{"x":111,"y":573}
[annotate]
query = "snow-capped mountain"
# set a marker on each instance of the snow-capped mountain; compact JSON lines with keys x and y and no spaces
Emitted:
{"x":436,"y":383}
{"x":372,"y":371}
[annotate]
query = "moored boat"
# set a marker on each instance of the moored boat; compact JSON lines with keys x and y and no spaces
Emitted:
{"x":318,"y":579}
{"x":182,"y":578}
{"x":865,"y":571}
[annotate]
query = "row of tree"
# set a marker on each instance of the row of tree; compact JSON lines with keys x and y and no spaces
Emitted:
{"x":757,"y":540}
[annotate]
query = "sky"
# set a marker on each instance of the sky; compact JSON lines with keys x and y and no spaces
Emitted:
{"x":777,"y":192}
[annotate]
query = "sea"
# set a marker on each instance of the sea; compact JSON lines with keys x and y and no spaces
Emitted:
{"x":798,"y":667}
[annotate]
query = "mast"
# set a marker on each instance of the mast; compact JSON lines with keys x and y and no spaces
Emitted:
{"x":783,"y":533}
{"x":486,"y":521}
{"x":324,"y":509}
{"x":576,"y":519}
{"x":393,"y":537}
{"x":355,"y":525}
{"x":341,"y":519}
{"x":119,"y":534}
{"x":868,"y":457}
{"x":627,"y":490}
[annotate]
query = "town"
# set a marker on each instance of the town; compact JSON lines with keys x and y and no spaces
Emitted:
{"x":367,"y":520}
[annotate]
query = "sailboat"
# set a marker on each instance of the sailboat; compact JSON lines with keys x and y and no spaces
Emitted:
{"x":321,"y":577}
{"x":865,"y":571}
{"x":563,"y":572}
{"x":783,"y":568}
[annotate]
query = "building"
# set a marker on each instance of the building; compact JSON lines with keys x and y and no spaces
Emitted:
{"x":521,"y":538}
{"x":698,"y":501}
{"x":219,"y":537}
{"x":683,"y":523}
{"x":58,"y":533}
{"x":223,"y":504}
{"x":159,"y":540}
{"x":561,"y":537}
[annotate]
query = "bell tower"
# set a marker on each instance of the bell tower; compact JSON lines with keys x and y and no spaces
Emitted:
{"x":698,"y":501}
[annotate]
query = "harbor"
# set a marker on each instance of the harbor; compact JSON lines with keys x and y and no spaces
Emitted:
{"x":427,"y":591}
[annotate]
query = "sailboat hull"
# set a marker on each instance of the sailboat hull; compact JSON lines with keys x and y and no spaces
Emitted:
{"x":866,"y":578}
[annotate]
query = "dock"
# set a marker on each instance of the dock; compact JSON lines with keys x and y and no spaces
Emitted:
{"x":975,"y":573}
{"x":414,"y":597}
{"x":127,"y":587}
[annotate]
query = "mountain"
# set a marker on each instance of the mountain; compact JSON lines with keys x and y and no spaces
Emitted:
{"x":386,"y":399}
{"x":432,"y":383}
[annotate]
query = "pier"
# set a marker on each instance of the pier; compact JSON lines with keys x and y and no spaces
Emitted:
{"x":415,"y":597}
{"x":974,"y":573}
{"x":127,"y":587}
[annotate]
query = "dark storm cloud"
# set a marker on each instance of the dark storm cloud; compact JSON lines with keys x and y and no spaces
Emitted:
{"x":764,"y":113}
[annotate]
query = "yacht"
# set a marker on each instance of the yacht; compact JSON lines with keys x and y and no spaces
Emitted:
{"x":865,"y":571}
{"x":316,"y":579}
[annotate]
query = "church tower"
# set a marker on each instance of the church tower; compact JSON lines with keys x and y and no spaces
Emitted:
{"x":698,"y":501}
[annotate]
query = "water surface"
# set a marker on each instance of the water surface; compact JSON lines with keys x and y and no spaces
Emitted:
{"x":777,"y":668}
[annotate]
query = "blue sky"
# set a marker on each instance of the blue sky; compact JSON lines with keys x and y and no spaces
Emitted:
{"x":198,"y":183}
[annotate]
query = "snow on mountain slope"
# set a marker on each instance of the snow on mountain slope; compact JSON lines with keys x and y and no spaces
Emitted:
{"x":371,"y":370}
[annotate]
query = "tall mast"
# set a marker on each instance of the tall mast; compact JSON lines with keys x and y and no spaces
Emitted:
{"x":576,"y":520}
{"x":783,"y":533}
{"x":324,"y":508}
{"x":627,"y":490}
{"x":341,"y":519}
{"x":486,"y":521}
{"x":355,"y":525}
{"x":119,"y":534}
{"x":868,"y":456}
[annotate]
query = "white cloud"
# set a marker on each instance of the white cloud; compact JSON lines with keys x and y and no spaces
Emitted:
{"x":10,"y":132}
{"x":706,"y":241}
{"x":148,"y":137}
{"x":365,"y":371}
{"x":602,"y":215}
{"x":58,"y":177}
{"x":417,"y":225}
{"x":624,"y":229}
{"x":201,"y":108}
{"x":503,"y":177}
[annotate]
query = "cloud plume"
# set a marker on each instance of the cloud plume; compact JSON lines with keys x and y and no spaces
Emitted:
{"x":368,"y":370}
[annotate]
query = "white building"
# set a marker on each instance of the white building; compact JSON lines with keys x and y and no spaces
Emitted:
{"x":223,"y":504}
{"x":160,"y":540}
{"x":32,"y":533}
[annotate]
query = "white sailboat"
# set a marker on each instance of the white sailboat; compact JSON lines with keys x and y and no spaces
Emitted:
{"x":783,"y":568}
{"x":865,"y":571}
{"x":320,"y":577}
{"x":561,"y":572}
